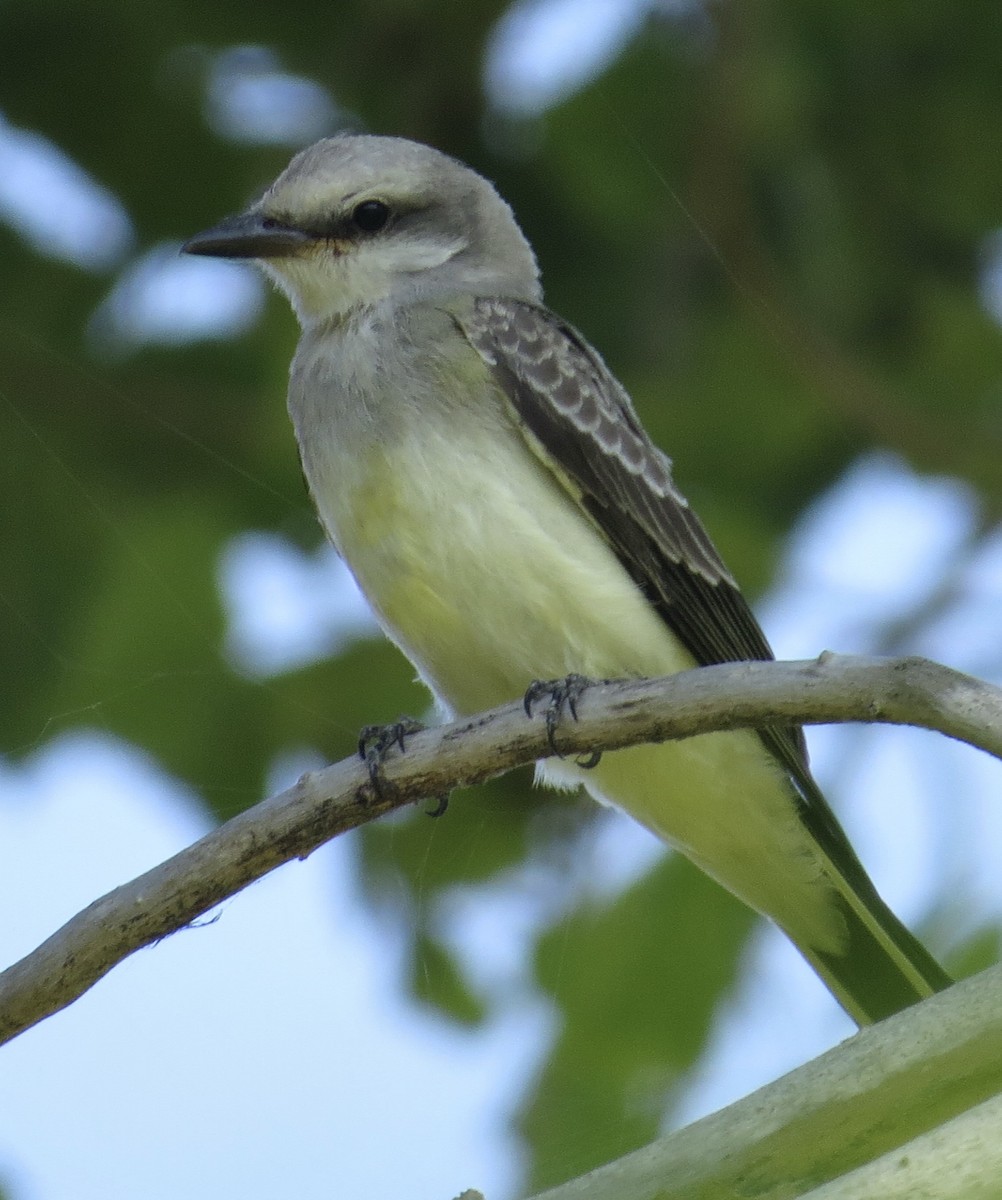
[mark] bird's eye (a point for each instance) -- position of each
(370, 216)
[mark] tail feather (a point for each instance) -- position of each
(882, 967)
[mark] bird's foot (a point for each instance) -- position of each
(563, 695)
(376, 741)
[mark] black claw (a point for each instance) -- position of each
(563, 694)
(379, 738)
(369, 736)
(536, 691)
(442, 803)
(576, 686)
(376, 741)
(591, 762)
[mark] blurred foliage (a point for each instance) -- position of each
(771, 217)
(632, 1029)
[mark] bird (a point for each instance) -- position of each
(490, 486)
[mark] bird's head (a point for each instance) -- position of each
(354, 221)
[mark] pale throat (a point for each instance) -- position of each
(333, 279)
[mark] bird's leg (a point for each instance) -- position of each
(376, 741)
(563, 695)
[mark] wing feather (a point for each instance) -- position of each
(571, 406)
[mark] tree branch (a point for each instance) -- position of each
(338, 798)
(906, 1108)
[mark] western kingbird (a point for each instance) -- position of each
(489, 484)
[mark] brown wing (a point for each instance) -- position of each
(582, 421)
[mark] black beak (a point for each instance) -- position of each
(248, 235)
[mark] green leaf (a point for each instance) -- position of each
(636, 984)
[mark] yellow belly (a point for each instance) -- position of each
(486, 573)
